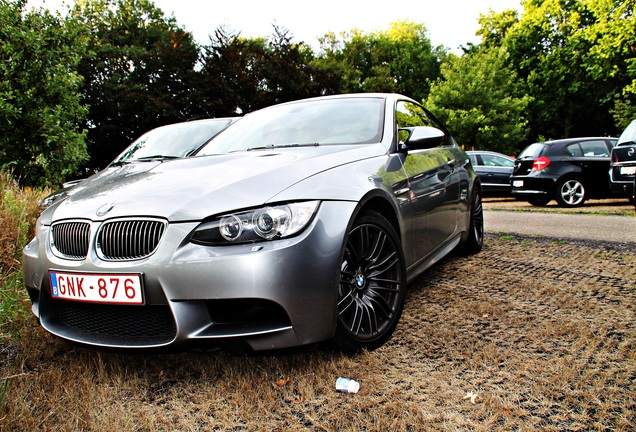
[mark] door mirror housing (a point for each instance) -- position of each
(422, 137)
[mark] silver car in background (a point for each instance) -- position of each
(177, 140)
(301, 223)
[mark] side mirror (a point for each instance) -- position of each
(423, 137)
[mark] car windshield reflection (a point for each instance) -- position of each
(172, 141)
(334, 121)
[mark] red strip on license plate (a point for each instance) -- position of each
(118, 288)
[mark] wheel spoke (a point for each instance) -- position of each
(383, 266)
(381, 303)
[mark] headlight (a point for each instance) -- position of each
(267, 223)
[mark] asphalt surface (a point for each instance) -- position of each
(619, 229)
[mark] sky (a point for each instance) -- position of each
(450, 23)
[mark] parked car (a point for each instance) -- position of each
(622, 174)
(567, 170)
(299, 224)
(166, 142)
(494, 169)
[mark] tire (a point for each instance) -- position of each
(539, 202)
(570, 193)
(372, 285)
(475, 241)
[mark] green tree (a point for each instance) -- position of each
(400, 59)
(139, 73)
(241, 75)
(577, 60)
(477, 99)
(40, 104)
(612, 56)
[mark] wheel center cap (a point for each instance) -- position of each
(360, 281)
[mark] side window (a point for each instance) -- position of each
(574, 150)
(408, 114)
(595, 148)
(494, 160)
(473, 159)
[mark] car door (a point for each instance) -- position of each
(432, 181)
(594, 162)
(498, 170)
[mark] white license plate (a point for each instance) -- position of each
(117, 288)
(628, 170)
(517, 183)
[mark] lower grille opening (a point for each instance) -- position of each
(247, 311)
(114, 324)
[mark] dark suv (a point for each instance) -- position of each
(568, 170)
(623, 163)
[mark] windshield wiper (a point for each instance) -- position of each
(154, 158)
(272, 146)
(120, 163)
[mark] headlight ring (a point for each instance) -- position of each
(262, 224)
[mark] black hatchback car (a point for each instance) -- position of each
(567, 170)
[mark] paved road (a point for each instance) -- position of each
(621, 229)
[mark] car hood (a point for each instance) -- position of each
(194, 188)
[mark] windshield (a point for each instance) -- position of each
(629, 134)
(533, 150)
(173, 141)
(306, 123)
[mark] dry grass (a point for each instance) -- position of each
(18, 211)
(544, 333)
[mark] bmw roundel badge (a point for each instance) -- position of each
(105, 209)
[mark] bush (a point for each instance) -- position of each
(19, 210)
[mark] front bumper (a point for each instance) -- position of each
(260, 296)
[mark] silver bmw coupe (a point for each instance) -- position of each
(301, 223)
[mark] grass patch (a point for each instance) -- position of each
(19, 209)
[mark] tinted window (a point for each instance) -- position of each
(408, 114)
(594, 148)
(574, 150)
(534, 150)
(495, 160)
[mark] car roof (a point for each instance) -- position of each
(572, 140)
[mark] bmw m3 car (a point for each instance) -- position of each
(300, 224)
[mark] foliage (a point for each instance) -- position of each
(577, 60)
(18, 211)
(113, 69)
(400, 59)
(138, 73)
(241, 75)
(612, 56)
(476, 98)
(40, 105)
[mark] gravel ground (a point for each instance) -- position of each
(529, 334)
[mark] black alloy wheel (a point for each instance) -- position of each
(570, 193)
(372, 284)
(475, 241)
